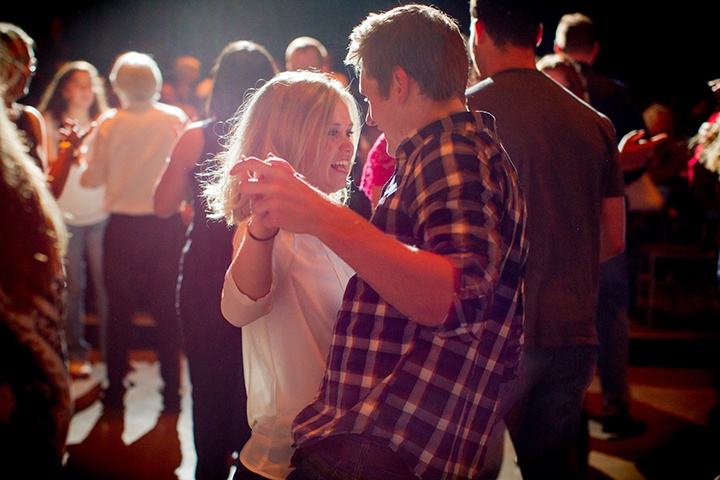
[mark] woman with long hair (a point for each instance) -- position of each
(73, 101)
(213, 347)
(284, 289)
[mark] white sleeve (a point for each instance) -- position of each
(238, 308)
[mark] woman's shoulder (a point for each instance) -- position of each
(33, 112)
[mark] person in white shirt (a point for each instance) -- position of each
(73, 100)
(284, 289)
(142, 250)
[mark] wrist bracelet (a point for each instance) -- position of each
(258, 239)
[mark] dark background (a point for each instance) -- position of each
(664, 53)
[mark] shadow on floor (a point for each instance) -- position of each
(104, 455)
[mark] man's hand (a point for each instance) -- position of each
(279, 196)
(636, 151)
(418, 283)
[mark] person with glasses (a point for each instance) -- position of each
(18, 64)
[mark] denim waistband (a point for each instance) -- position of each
(351, 456)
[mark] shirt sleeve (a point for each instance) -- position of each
(460, 191)
(96, 173)
(238, 308)
(241, 310)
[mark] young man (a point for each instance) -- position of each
(431, 324)
(577, 38)
(305, 53)
(566, 157)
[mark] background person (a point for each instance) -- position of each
(35, 403)
(17, 54)
(213, 347)
(142, 250)
(567, 160)
(77, 93)
(577, 38)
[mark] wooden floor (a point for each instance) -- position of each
(140, 443)
(670, 385)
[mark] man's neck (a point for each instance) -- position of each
(581, 57)
(425, 112)
(510, 57)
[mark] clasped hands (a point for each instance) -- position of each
(279, 196)
(71, 137)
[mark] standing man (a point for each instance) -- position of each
(566, 156)
(431, 325)
(576, 37)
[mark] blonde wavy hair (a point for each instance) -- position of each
(289, 116)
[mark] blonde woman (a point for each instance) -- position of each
(284, 289)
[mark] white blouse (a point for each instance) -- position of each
(286, 339)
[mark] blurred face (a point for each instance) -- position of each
(337, 155)
(379, 113)
(305, 59)
(78, 92)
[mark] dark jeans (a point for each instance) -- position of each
(545, 407)
(348, 457)
(242, 473)
(141, 268)
(613, 329)
(213, 349)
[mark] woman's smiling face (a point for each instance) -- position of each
(337, 154)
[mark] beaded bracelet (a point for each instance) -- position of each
(258, 239)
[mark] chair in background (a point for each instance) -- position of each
(701, 257)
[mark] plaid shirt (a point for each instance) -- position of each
(431, 393)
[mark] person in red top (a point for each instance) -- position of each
(377, 170)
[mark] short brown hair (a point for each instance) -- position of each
(575, 33)
(422, 40)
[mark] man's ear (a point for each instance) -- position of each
(400, 86)
(479, 31)
(539, 35)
